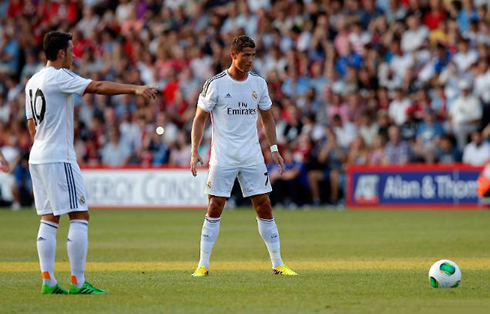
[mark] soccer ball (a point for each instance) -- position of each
(444, 274)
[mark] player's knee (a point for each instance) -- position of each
(215, 208)
(79, 215)
(264, 208)
(51, 218)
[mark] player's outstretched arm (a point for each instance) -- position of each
(196, 137)
(4, 165)
(270, 133)
(112, 88)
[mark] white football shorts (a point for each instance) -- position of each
(254, 180)
(58, 188)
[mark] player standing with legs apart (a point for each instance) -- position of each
(234, 99)
(56, 177)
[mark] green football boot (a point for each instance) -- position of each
(87, 288)
(56, 289)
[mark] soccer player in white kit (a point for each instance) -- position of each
(234, 99)
(56, 177)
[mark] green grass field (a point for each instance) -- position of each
(348, 262)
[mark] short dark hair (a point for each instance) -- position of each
(55, 41)
(241, 42)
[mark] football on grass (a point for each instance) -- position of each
(444, 274)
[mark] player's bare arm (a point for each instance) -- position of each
(111, 88)
(270, 133)
(4, 165)
(31, 125)
(196, 137)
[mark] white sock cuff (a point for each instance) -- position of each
(265, 220)
(211, 219)
(49, 223)
(79, 221)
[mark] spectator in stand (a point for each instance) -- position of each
(345, 132)
(9, 53)
(358, 153)
(408, 130)
(477, 152)
(116, 152)
(294, 125)
(465, 114)
(331, 157)
(376, 154)
(337, 107)
(398, 107)
(367, 128)
(286, 188)
(396, 151)
(429, 132)
(180, 155)
(465, 56)
(447, 153)
(415, 36)
(481, 71)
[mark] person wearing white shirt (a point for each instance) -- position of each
(399, 64)
(56, 177)
(477, 152)
(465, 114)
(465, 56)
(234, 100)
(415, 36)
(398, 108)
(482, 81)
(344, 131)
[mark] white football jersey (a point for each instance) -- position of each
(49, 101)
(234, 107)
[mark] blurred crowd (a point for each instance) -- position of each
(353, 82)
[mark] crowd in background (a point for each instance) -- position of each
(353, 82)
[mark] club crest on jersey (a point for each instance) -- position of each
(208, 184)
(82, 200)
(254, 94)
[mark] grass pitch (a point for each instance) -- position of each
(348, 262)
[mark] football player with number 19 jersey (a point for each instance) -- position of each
(234, 100)
(56, 177)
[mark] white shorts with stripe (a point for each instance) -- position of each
(254, 180)
(58, 188)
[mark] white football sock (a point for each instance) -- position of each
(209, 234)
(46, 249)
(269, 233)
(77, 250)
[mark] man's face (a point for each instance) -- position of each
(244, 59)
(394, 134)
(68, 56)
(476, 137)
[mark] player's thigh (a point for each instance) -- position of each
(220, 181)
(254, 180)
(41, 199)
(65, 188)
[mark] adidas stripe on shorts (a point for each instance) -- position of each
(58, 188)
